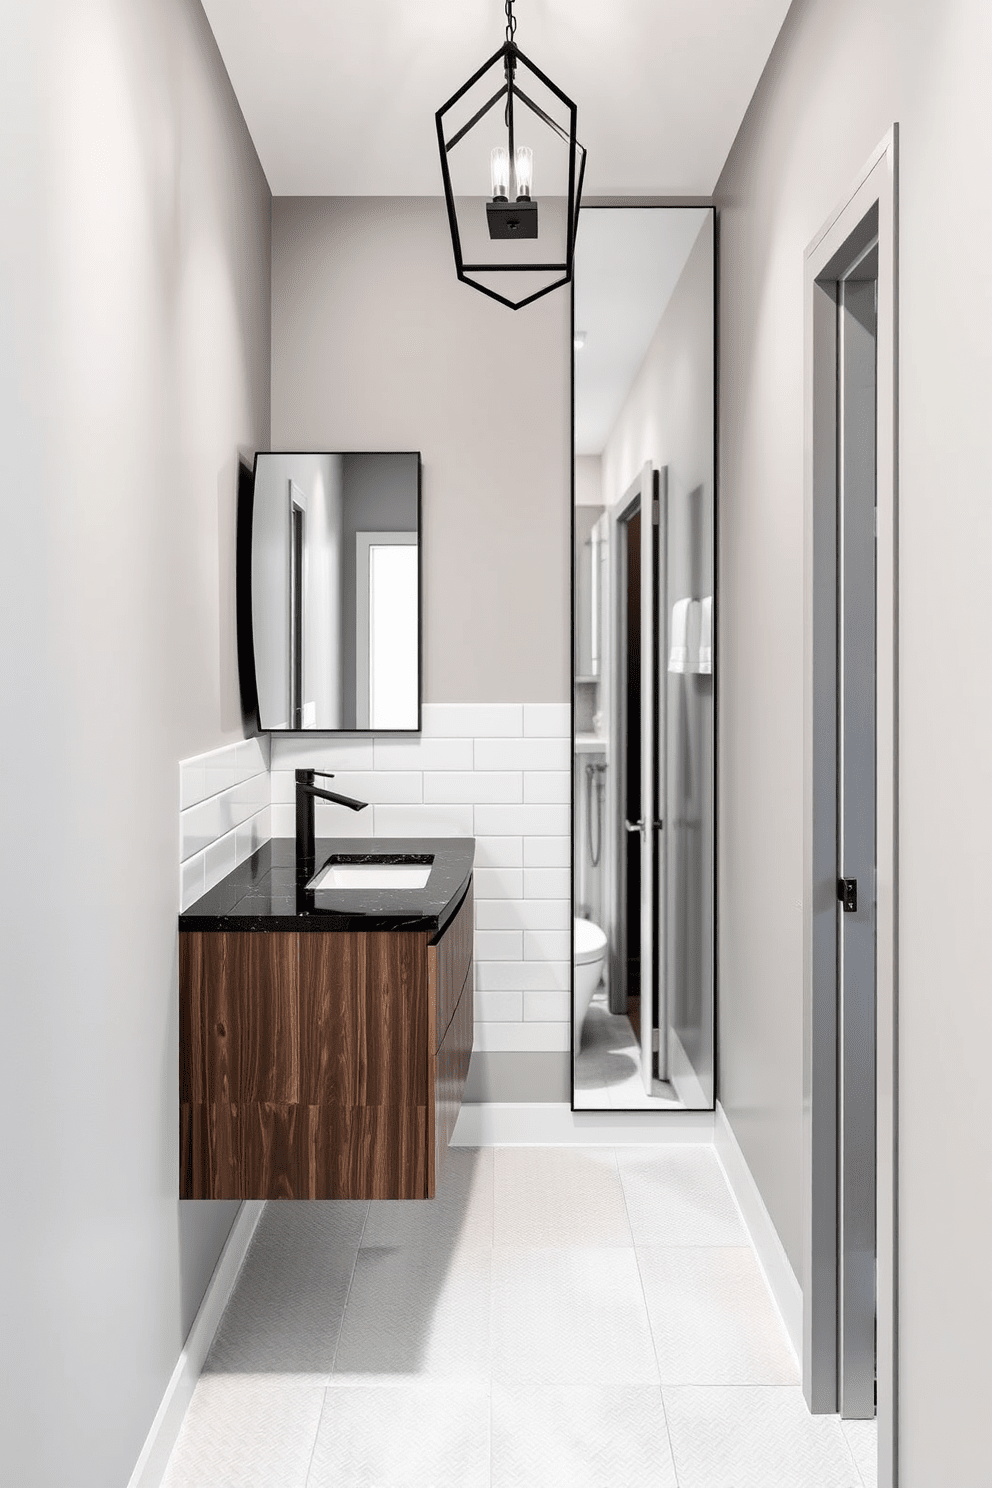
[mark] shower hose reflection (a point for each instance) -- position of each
(594, 773)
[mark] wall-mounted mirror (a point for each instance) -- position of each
(335, 591)
(644, 659)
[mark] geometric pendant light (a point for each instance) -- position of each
(512, 126)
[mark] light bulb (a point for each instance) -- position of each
(500, 169)
(524, 163)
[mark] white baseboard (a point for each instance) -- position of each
(779, 1275)
(553, 1124)
(150, 1467)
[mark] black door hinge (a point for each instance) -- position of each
(847, 893)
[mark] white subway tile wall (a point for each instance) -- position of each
(547, 852)
(498, 772)
(224, 815)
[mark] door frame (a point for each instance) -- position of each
(874, 194)
(636, 498)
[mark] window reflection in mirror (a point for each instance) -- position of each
(335, 591)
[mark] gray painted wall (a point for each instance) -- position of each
(588, 480)
(376, 346)
(134, 366)
(841, 73)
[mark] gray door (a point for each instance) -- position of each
(850, 809)
(856, 757)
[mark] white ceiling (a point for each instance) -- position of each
(340, 98)
(627, 263)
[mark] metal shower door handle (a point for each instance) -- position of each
(637, 826)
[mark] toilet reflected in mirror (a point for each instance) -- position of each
(589, 964)
(643, 660)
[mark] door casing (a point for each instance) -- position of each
(870, 207)
(856, 762)
(637, 498)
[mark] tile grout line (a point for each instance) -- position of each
(347, 1295)
(256, 775)
(845, 1468)
(857, 1465)
(647, 1313)
(316, 1438)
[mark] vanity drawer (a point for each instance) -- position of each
(306, 1068)
(319, 1065)
(450, 960)
(449, 963)
(451, 1072)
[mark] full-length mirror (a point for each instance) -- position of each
(335, 591)
(645, 659)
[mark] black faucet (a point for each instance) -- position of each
(306, 792)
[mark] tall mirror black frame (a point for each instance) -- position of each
(644, 654)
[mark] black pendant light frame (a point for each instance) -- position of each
(512, 58)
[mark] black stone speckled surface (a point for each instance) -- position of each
(264, 893)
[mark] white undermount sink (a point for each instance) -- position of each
(372, 876)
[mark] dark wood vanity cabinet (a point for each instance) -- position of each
(322, 1064)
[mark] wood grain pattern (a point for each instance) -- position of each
(255, 1150)
(191, 1077)
(367, 1152)
(364, 1019)
(239, 1018)
(451, 1072)
(454, 955)
(452, 990)
(268, 1151)
(309, 1066)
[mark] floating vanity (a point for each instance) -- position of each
(325, 1032)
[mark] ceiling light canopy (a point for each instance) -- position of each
(503, 245)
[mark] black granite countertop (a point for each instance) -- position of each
(265, 894)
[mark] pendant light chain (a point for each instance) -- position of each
(511, 31)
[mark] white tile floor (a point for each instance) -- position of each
(584, 1317)
(608, 1066)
